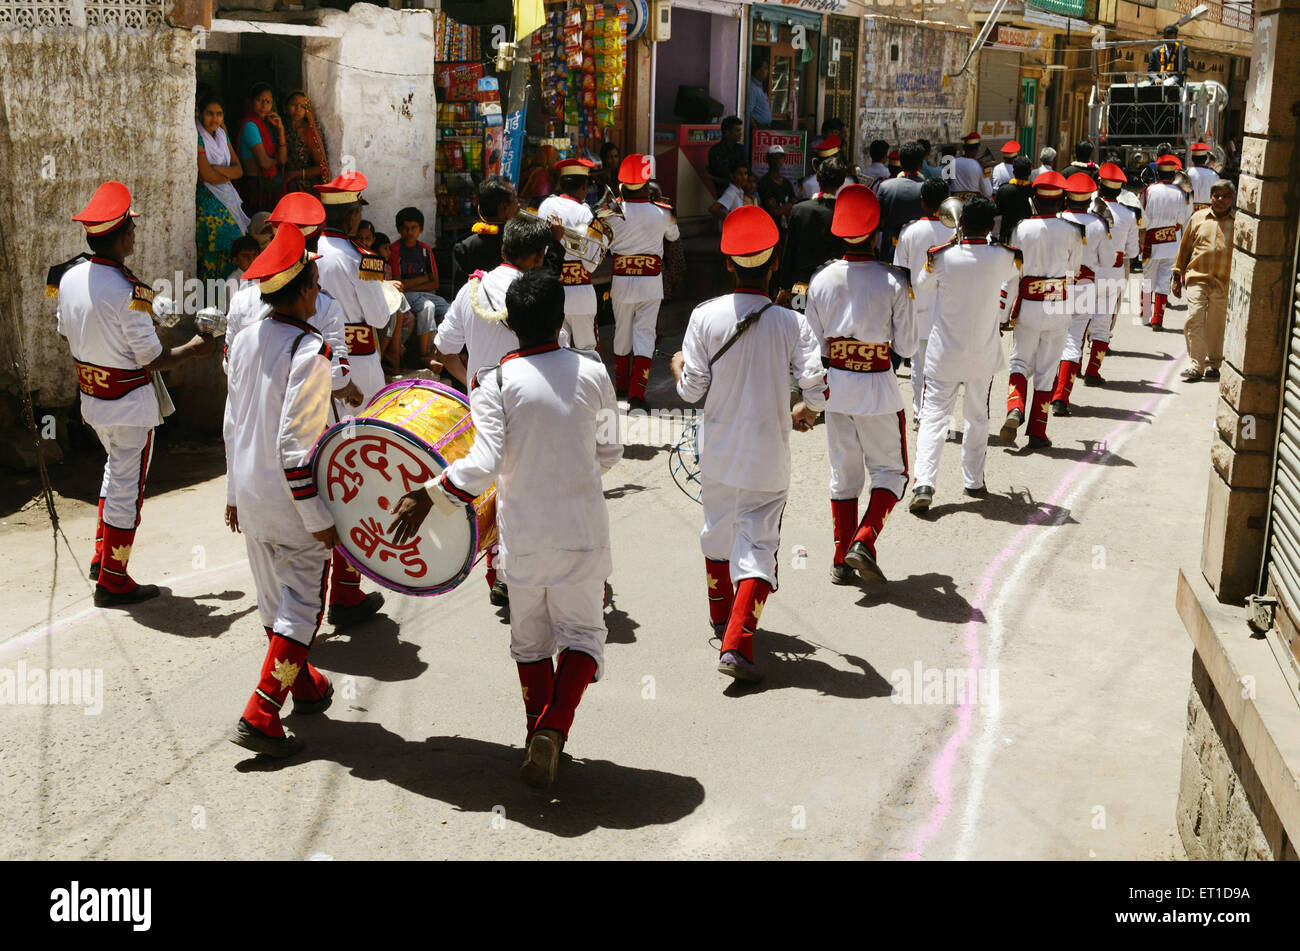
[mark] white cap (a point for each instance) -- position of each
(776, 150)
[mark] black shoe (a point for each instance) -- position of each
(113, 599)
(304, 708)
(719, 628)
(1039, 442)
(1060, 408)
(637, 404)
(345, 616)
(1093, 381)
(542, 758)
(1212, 374)
(1009, 428)
(922, 496)
(94, 571)
(251, 738)
(499, 596)
(843, 574)
(860, 559)
(978, 492)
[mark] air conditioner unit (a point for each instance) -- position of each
(661, 23)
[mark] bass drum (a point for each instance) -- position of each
(408, 434)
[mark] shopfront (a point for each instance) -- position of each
(784, 83)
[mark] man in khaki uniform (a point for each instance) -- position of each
(1202, 267)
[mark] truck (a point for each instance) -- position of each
(1134, 118)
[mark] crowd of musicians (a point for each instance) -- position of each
(830, 301)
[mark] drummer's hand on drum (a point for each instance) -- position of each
(232, 518)
(410, 511)
(349, 394)
(329, 537)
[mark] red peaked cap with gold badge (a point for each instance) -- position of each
(635, 170)
(344, 189)
(282, 261)
(1112, 174)
(749, 236)
(574, 166)
(300, 209)
(1168, 161)
(971, 138)
(1011, 149)
(857, 212)
(829, 146)
(1049, 184)
(108, 209)
(1200, 147)
(1080, 186)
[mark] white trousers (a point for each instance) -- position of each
(1157, 278)
(290, 582)
(579, 332)
(1037, 343)
(741, 526)
(130, 450)
(936, 417)
(859, 445)
(918, 376)
(1110, 294)
(1083, 302)
(544, 621)
(634, 327)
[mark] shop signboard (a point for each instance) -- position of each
(794, 144)
(512, 147)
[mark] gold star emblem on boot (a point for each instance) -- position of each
(285, 672)
(121, 554)
(713, 582)
(758, 609)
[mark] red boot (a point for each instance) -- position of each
(259, 729)
(1038, 419)
(751, 597)
(622, 373)
(1017, 393)
(536, 681)
(312, 690)
(115, 586)
(640, 379)
(99, 542)
(844, 522)
(721, 594)
(1158, 309)
(878, 509)
(1099, 348)
(345, 583)
(1069, 369)
(572, 675)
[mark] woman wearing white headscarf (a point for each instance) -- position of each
(219, 217)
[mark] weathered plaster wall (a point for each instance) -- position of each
(377, 84)
(78, 107)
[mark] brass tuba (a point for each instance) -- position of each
(950, 212)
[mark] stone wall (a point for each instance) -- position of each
(78, 107)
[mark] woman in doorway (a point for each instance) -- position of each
(263, 151)
(607, 176)
(219, 215)
(306, 165)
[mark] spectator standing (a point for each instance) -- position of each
(219, 213)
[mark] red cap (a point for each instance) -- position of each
(893, 155)
(1049, 184)
(1200, 147)
(1079, 185)
(344, 190)
(1110, 172)
(829, 146)
(1011, 148)
(1168, 161)
(749, 236)
(574, 166)
(971, 137)
(857, 212)
(301, 209)
(635, 169)
(282, 261)
(107, 210)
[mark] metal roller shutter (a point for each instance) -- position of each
(999, 92)
(1282, 555)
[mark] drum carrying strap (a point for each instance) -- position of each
(741, 326)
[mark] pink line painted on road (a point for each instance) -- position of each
(941, 769)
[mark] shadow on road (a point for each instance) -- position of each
(786, 661)
(1134, 386)
(1014, 508)
(1091, 452)
(189, 617)
(372, 649)
(932, 596)
(478, 776)
(1138, 355)
(621, 627)
(1085, 411)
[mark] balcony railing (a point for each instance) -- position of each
(122, 14)
(1235, 13)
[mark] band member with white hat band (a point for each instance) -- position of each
(1166, 209)
(568, 206)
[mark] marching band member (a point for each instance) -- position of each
(352, 275)
(1097, 253)
(1005, 170)
(104, 313)
(1112, 276)
(638, 286)
(1052, 250)
(538, 414)
(476, 322)
(964, 350)
(858, 311)
(569, 207)
(1166, 209)
(913, 246)
(809, 243)
(967, 175)
(1201, 175)
(827, 148)
(277, 405)
(744, 434)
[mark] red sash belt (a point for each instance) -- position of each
(573, 274)
(1085, 275)
(1042, 288)
(857, 356)
(363, 339)
(1158, 236)
(109, 383)
(1119, 259)
(638, 265)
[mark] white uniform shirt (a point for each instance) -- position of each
(363, 302)
(247, 307)
(1097, 253)
(866, 301)
(965, 281)
(643, 230)
(1003, 172)
(967, 175)
(1164, 206)
(1202, 177)
(579, 299)
(544, 433)
(1123, 232)
(487, 340)
(94, 314)
(277, 405)
(744, 436)
(917, 238)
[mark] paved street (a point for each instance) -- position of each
(1058, 589)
